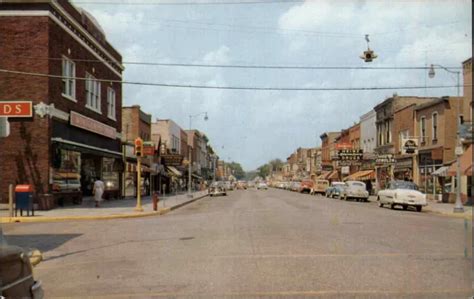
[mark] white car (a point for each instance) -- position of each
(262, 186)
(355, 190)
(402, 193)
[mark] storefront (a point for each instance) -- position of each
(403, 169)
(429, 162)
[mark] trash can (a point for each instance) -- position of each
(24, 199)
(45, 202)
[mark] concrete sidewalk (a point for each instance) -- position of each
(109, 209)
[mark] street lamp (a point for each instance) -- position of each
(458, 206)
(190, 152)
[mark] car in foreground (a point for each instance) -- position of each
(402, 193)
(330, 191)
(306, 186)
(16, 272)
(217, 188)
(320, 187)
(263, 186)
(355, 190)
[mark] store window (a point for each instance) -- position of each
(66, 171)
(110, 176)
(111, 104)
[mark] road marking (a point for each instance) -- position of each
(281, 293)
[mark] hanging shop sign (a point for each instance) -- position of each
(16, 109)
(172, 159)
(385, 159)
(410, 146)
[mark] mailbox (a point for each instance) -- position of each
(24, 199)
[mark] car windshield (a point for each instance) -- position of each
(403, 185)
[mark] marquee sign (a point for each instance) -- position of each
(385, 159)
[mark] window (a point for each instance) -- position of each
(402, 137)
(111, 103)
(69, 83)
(388, 133)
(435, 126)
(422, 129)
(92, 93)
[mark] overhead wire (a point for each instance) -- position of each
(252, 88)
(242, 66)
(251, 2)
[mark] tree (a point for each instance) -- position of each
(276, 165)
(264, 170)
(237, 170)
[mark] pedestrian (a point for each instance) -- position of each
(369, 187)
(98, 191)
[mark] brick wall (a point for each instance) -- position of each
(24, 155)
(403, 120)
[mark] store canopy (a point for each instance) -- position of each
(466, 164)
(173, 171)
(362, 175)
(441, 172)
(332, 175)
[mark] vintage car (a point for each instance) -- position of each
(331, 190)
(241, 185)
(306, 186)
(320, 187)
(262, 185)
(402, 193)
(295, 186)
(355, 190)
(217, 188)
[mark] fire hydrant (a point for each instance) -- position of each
(155, 201)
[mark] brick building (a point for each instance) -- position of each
(74, 134)
(136, 123)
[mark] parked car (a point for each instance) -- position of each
(16, 273)
(402, 193)
(280, 185)
(217, 188)
(306, 186)
(241, 185)
(320, 187)
(330, 191)
(355, 190)
(229, 186)
(295, 186)
(262, 185)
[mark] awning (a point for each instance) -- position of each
(466, 164)
(173, 171)
(332, 175)
(84, 148)
(441, 172)
(323, 175)
(132, 167)
(362, 175)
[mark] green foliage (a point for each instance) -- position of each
(237, 170)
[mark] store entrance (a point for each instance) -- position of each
(90, 171)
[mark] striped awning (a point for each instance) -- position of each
(362, 175)
(466, 164)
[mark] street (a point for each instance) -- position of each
(254, 243)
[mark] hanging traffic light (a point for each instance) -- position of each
(368, 55)
(138, 147)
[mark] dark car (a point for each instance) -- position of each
(16, 273)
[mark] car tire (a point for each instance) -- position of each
(210, 195)
(380, 204)
(392, 206)
(419, 208)
(405, 207)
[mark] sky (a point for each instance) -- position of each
(253, 127)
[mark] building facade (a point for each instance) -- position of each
(74, 136)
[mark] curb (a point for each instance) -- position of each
(161, 211)
(452, 215)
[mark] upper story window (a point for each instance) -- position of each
(423, 129)
(92, 93)
(388, 133)
(111, 104)
(435, 126)
(69, 81)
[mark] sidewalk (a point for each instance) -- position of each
(109, 209)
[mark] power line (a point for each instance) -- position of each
(190, 2)
(231, 87)
(242, 66)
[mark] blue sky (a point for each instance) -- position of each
(252, 127)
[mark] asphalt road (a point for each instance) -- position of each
(253, 244)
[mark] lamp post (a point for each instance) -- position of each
(458, 206)
(190, 152)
